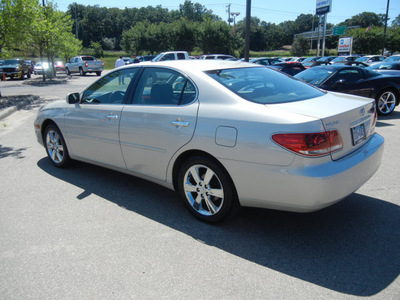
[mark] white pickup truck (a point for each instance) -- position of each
(171, 55)
(84, 64)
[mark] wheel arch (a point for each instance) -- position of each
(46, 123)
(192, 153)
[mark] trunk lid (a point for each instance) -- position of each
(352, 116)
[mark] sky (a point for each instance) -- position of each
(273, 11)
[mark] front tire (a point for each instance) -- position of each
(206, 189)
(56, 148)
(386, 102)
(67, 71)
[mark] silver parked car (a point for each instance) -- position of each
(223, 134)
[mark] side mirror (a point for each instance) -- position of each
(73, 98)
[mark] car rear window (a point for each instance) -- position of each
(263, 85)
(87, 58)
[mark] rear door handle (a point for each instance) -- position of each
(180, 123)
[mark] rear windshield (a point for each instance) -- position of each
(88, 58)
(263, 85)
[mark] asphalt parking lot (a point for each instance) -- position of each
(91, 233)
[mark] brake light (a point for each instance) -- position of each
(310, 144)
(103, 63)
(86, 64)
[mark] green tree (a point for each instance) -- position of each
(300, 46)
(365, 19)
(195, 12)
(215, 37)
(183, 35)
(15, 17)
(367, 42)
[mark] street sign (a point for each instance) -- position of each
(340, 30)
(345, 44)
(323, 7)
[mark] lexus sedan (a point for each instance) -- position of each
(385, 89)
(223, 134)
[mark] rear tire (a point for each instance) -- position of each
(98, 73)
(81, 72)
(386, 102)
(207, 189)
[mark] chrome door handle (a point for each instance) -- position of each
(180, 123)
(112, 117)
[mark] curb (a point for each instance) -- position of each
(4, 113)
(8, 111)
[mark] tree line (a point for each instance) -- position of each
(150, 30)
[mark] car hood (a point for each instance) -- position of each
(341, 112)
(55, 104)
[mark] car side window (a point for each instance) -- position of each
(158, 86)
(350, 75)
(169, 56)
(181, 56)
(110, 89)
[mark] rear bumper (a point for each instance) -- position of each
(306, 188)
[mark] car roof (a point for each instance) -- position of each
(200, 65)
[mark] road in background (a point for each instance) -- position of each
(91, 233)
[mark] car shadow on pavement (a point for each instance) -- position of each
(351, 247)
(382, 120)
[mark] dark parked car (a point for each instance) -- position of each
(393, 58)
(386, 67)
(15, 68)
(370, 59)
(385, 89)
(309, 61)
(265, 61)
(344, 58)
(291, 68)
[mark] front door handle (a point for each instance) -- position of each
(112, 117)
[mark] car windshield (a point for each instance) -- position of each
(383, 66)
(339, 58)
(12, 62)
(315, 75)
(309, 59)
(362, 59)
(393, 58)
(263, 85)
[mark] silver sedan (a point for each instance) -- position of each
(222, 134)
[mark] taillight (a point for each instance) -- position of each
(103, 63)
(310, 144)
(86, 64)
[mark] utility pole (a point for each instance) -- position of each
(229, 14)
(247, 38)
(384, 31)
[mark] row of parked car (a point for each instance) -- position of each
(19, 68)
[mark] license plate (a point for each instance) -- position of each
(358, 134)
